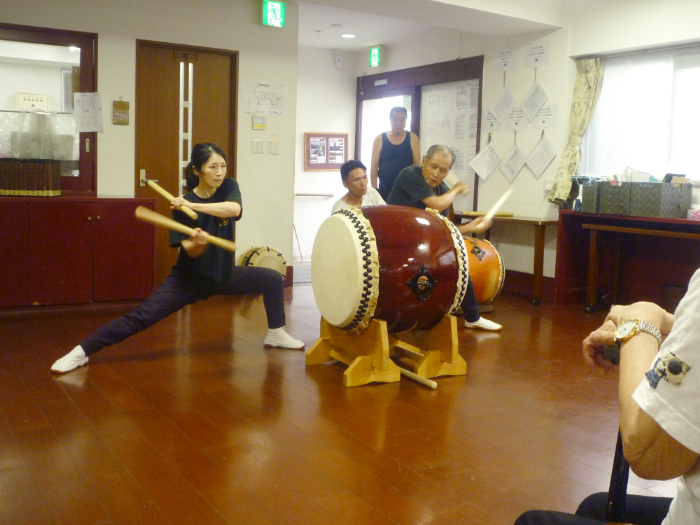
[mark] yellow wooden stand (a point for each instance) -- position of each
(429, 353)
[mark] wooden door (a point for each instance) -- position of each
(176, 86)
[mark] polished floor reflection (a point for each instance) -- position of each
(193, 422)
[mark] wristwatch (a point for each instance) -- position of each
(633, 326)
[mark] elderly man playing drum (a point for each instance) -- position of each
(421, 186)
(354, 176)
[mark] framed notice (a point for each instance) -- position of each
(325, 151)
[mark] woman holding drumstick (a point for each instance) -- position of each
(201, 270)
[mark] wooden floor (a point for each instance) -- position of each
(193, 422)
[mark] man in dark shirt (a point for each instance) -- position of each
(423, 187)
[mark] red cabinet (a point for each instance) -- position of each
(73, 251)
(13, 254)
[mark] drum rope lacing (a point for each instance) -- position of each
(462, 260)
(365, 310)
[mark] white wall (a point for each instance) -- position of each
(606, 26)
(267, 181)
(325, 103)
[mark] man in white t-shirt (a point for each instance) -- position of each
(659, 408)
(354, 176)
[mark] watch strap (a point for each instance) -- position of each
(649, 329)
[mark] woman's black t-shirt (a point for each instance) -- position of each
(215, 264)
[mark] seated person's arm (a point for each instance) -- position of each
(443, 201)
(651, 452)
(478, 225)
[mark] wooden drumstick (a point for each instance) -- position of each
(170, 198)
(453, 179)
(492, 212)
(422, 380)
(144, 214)
(489, 214)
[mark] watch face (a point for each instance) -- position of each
(625, 329)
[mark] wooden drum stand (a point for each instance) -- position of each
(423, 353)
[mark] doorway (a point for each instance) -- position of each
(375, 120)
(184, 96)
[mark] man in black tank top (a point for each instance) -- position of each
(393, 151)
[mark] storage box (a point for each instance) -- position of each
(30, 177)
(615, 198)
(590, 198)
(658, 199)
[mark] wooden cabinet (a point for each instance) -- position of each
(13, 254)
(74, 251)
(633, 258)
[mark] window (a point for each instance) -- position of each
(646, 117)
(29, 57)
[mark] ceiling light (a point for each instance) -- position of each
(348, 36)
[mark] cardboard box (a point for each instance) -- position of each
(659, 199)
(615, 198)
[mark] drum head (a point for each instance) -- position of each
(345, 270)
(265, 257)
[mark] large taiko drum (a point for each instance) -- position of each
(402, 265)
(485, 268)
(264, 257)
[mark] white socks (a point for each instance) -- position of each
(279, 338)
(70, 361)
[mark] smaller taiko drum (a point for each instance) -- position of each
(264, 257)
(485, 269)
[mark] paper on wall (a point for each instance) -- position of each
(513, 163)
(546, 117)
(534, 100)
(88, 112)
(505, 103)
(486, 162)
(541, 156)
(517, 120)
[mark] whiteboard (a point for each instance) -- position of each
(449, 116)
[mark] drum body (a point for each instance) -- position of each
(485, 268)
(402, 265)
(265, 257)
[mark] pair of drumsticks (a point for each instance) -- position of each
(144, 214)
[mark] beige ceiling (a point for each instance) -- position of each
(390, 22)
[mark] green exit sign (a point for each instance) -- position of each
(273, 13)
(375, 56)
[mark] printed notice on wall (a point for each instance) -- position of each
(546, 117)
(88, 112)
(516, 120)
(537, 55)
(490, 123)
(264, 97)
(513, 163)
(541, 156)
(503, 106)
(505, 60)
(486, 162)
(534, 100)
(317, 150)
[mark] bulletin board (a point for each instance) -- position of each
(325, 151)
(450, 116)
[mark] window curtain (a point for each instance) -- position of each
(589, 79)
